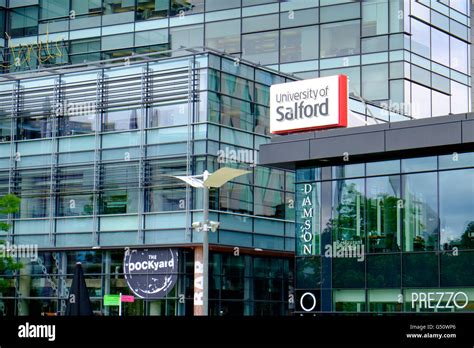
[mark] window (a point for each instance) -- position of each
(383, 214)
(82, 7)
(269, 203)
(259, 23)
(383, 271)
(224, 36)
(375, 82)
(237, 87)
(179, 7)
(374, 17)
(348, 211)
(261, 48)
(237, 198)
(33, 128)
(420, 269)
(460, 5)
(459, 98)
(214, 5)
(420, 39)
(148, 9)
(459, 55)
(420, 218)
(54, 8)
(420, 101)
(187, 36)
(115, 120)
(168, 115)
(23, 21)
(340, 39)
(340, 13)
(237, 113)
(75, 205)
(118, 6)
(457, 209)
(299, 44)
(439, 45)
(170, 198)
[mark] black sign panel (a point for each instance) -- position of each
(308, 301)
(151, 273)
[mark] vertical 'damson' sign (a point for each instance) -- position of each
(151, 273)
(309, 105)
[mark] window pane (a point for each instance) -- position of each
(340, 39)
(261, 48)
(224, 36)
(269, 203)
(86, 6)
(420, 269)
(459, 98)
(383, 214)
(374, 17)
(147, 9)
(383, 271)
(420, 218)
(299, 44)
(118, 6)
(348, 211)
(457, 209)
(420, 101)
(375, 82)
(348, 273)
(439, 45)
(54, 8)
(459, 55)
(420, 39)
(23, 21)
(214, 5)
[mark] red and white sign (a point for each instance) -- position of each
(309, 105)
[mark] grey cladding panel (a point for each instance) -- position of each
(284, 152)
(353, 144)
(426, 136)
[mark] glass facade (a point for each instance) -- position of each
(386, 236)
(245, 285)
(410, 57)
(91, 153)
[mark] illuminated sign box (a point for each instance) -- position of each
(309, 105)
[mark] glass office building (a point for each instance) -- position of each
(99, 105)
(90, 152)
(412, 57)
(389, 229)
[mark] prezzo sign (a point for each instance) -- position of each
(309, 105)
(151, 274)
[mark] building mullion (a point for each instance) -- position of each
(58, 99)
(101, 101)
(145, 84)
(14, 155)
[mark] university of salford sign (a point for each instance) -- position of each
(309, 105)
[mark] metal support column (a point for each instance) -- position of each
(101, 101)
(54, 117)
(14, 156)
(145, 97)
